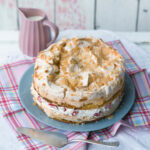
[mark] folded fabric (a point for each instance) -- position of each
(13, 111)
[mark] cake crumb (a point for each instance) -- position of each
(34, 103)
(110, 117)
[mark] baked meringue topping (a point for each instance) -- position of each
(79, 71)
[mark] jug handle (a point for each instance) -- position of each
(55, 29)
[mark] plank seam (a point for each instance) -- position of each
(18, 24)
(55, 11)
(95, 13)
(137, 15)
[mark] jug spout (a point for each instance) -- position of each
(23, 11)
(27, 12)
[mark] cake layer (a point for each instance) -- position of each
(86, 106)
(76, 115)
(79, 71)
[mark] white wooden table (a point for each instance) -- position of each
(9, 51)
(9, 41)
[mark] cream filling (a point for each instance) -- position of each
(76, 113)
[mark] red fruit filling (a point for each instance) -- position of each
(51, 105)
(39, 99)
(75, 113)
(97, 114)
(109, 105)
(54, 106)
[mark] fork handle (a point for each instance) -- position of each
(116, 143)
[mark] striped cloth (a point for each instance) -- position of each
(13, 111)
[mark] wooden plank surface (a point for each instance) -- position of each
(75, 14)
(144, 16)
(116, 15)
(8, 15)
(46, 5)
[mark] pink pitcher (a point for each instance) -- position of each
(35, 31)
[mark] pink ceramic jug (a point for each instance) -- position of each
(35, 31)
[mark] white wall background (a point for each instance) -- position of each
(116, 15)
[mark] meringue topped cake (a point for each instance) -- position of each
(78, 80)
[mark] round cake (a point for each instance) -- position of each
(78, 80)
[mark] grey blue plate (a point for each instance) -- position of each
(27, 101)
